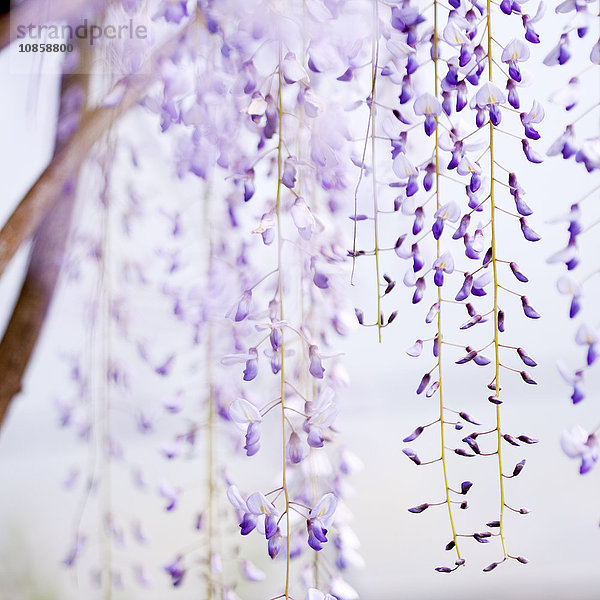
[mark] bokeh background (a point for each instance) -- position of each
(561, 536)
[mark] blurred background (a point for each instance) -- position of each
(39, 514)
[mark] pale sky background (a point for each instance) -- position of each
(560, 537)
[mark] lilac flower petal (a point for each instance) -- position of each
(529, 233)
(510, 439)
(527, 439)
(514, 267)
(501, 320)
(465, 417)
(526, 358)
(528, 309)
(412, 455)
(424, 383)
(416, 349)
(414, 435)
(465, 290)
(315, 368)
(518, 468)
(527, 379)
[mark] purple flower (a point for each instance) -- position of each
(433, 311)
(252, 445)
(515, 51)
(586, 335)
(274, 544)
(528, 309)
(526, 358)
(468, 418)
(465, 290)
(247, 524)
(489, 97)
(412, 455)
(430, 107)
(75, 551)
(319, 518)
(316, 367)
(176, 571)
(424, 383)
(289, 173)
(415, 349)
(419, 220)
(292, 71)
(578, 443)
(244, 306)
(170, 494)
(442, 264)
(251, 370)
(247, 415)
(303, 218)
(528, 233)
(420, 286)
(526, 378)
(531, 154)
(322, 413)
(448, 212)
(173, 11)
(252, 572)
(414, 435)
(266, 228)
(513, 94)
(296, 449)
(462, 227)
(518, 467)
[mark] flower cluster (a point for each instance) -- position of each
(463, 72)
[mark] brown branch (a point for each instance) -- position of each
(47, 210)
(29, 314)
(46, 258)
(49, 187)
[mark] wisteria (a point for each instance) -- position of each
(228, 183)
(576, 19)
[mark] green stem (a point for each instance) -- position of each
(374, 60)
(210, 455)
(439, 289)
(496, 286)
(282, 347)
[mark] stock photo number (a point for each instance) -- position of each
(45, 47)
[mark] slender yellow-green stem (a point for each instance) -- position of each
(374, 61)
(495, 271)
(282, 347)
(439, 289)
(210, 409)
(104, 454)
(308, 387)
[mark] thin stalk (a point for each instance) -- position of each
(282, 347)
(439, 289)
(210, 455)
(496, 286)
(375, 59)
(104, 424)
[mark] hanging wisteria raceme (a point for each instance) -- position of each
(581, 142)
(465, 45)
(282, 202)
(285, 318)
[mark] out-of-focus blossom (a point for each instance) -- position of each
(576, 442)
